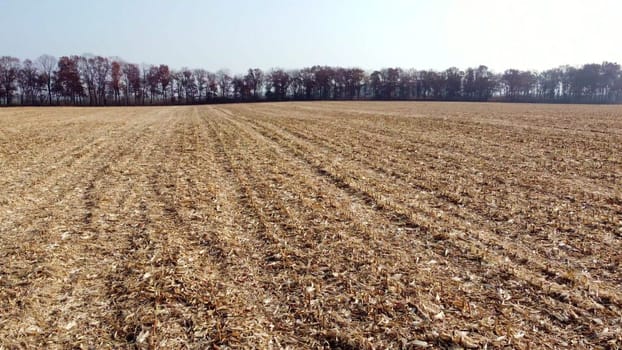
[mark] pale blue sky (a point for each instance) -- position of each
(528, 34)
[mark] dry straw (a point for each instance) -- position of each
(311, 225)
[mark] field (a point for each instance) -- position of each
(311, 225)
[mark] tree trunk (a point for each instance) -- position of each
(50, 92)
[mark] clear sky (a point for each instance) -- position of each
(238, 34)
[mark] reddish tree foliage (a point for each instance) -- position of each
(67, 78)
(115, 81)
(104, 80)
(164, 76)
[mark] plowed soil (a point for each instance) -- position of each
(311, 225)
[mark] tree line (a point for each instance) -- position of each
(100, 81)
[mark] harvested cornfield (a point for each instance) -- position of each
(311, 225)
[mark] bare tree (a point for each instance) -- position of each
(100, 78)
(153, 81)
(254, 80)
(224, 82)
(177, 90)
(307, 78)
(241, 88)
(9, 69)
(30, 82)
(353, 81)
(201, 81)
(47, 64)
(131, 73)
(86, 66)
(279, 81)
(188, 83)
(102, 75)
(212, 85)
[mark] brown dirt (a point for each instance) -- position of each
(311, 225)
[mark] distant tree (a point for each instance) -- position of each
(550, 83)
(436, 82)
(570, 90)
(202, 82)
(392, 78)
(376, 84)
(131, 72)
(610, 74)
(481, 83)
(102, 68)
(95, 73)
(144, 85)
(164, 76)
(338, 83)
(296, 86)
(87, 69)
(153, 81)
(67, 79)
(468, 84)
(212, 85)
(239, 87)
(9, 69)
(188, 83)
(30, 82)
(354, 78)
(323, 81)
(177, 90)
(116, 74)
(453, 83)
(279, 81)
(72, 78)
(127, 92)
(254, 79)
(47, 64)
(511, 81)
(431, 84)
(307, 79)
(224, 81)
(408, 84)
(527, 83)
(589, 78)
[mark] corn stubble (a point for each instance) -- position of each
(311, 225)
